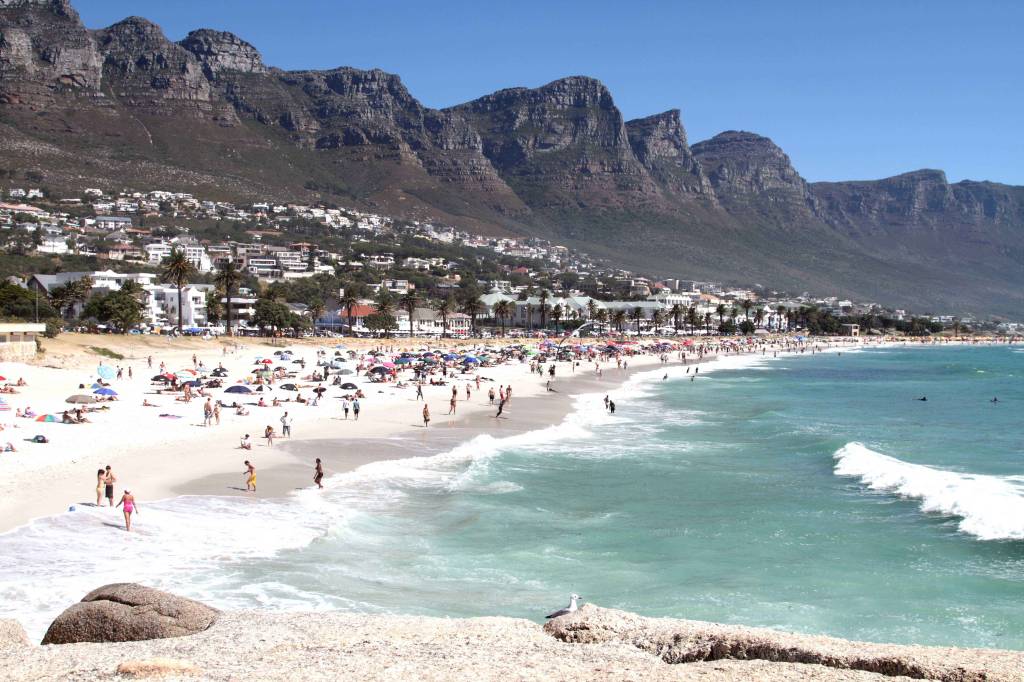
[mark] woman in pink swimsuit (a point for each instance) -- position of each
(128, 500)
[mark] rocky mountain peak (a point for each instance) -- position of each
(659, 142)
(59, 7)
(220, 51)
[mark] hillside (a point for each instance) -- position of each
(126, 106)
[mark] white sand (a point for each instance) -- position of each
(154, 456)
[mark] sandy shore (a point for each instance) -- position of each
(158, 457)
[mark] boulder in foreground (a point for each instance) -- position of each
(126, 612)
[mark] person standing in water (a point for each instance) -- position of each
(100, 476)
(250, 477)
(318, 474)
(109, 479)
(128, 500)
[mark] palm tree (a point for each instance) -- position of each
(591, 309)
(228, 278)
(638, 314)
(529, 316)
(956, 327)
(658, 319)
(692, 318)
(316, 311)
(543, 308)
(177, 271)
(746, 304)
(780, 311)
(408, 303)
(707, 323)
(733, 312)
(385, 305)
(602, 316)
(471, 306)
(444, 308)
(349, 301)
(556, 315)
(759, 316)
(503, 310)
(676, 311)
(619, 319)
(720, 309)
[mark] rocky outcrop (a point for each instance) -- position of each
(563, 144)
(12, 634)
(45, 52)
(146, 71)
(220, 51)
(750, 173)
(681, 641)
(126, 612)
(659, 143)
(351, 646)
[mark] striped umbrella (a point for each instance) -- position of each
(4, 407)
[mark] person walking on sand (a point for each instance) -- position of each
(426, 416)
(128, 500)
(318, 474)
(100, 477)
(109, 479)
(250, 476)
(355, 409)
(345, 406)
(216, 414)
(268, 433)
(419, 392)
(286, 426)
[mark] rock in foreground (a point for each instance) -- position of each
(126, 612)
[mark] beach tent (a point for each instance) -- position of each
(106, 372)
(105, 391)
(239, 388)
(81, 399)
(48, 418)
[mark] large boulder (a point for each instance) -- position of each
(12, 634)
(126, 612)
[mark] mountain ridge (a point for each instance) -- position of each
(125, 103)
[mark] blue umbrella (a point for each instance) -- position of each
(470, 360)
(238, 388)
(106, 372)
(403, 361)
(450, 356)
(105, 391)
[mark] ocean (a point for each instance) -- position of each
(812, 493)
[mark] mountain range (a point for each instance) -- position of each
(126, 106)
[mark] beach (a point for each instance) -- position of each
(413, 520)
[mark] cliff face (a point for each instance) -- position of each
(206, 114)
(45, 53)
(562, 145)
(659, 143)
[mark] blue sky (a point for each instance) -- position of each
(850, 90)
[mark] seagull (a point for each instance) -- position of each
(571, 608)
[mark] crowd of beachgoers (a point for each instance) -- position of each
(134, 418)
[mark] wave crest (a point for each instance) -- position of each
(990, 507)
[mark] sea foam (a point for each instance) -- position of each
(989, 507)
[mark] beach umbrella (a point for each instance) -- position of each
(470, 361)
(267, 361)
(47, 418)
(319, 390)
(263, 387)
(3, 378)
(238, 388)
(349, 386)
(158, 377)
(289, 387)
(106, 372)
(4, 407)
(195, 383)
(80, 399)
(403, 361)
(346, 370)
(105, 391)
(379, 370)
(450, 356)
(389, 365)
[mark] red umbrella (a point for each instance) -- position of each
(268, 362)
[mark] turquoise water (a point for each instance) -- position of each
(809, 493)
